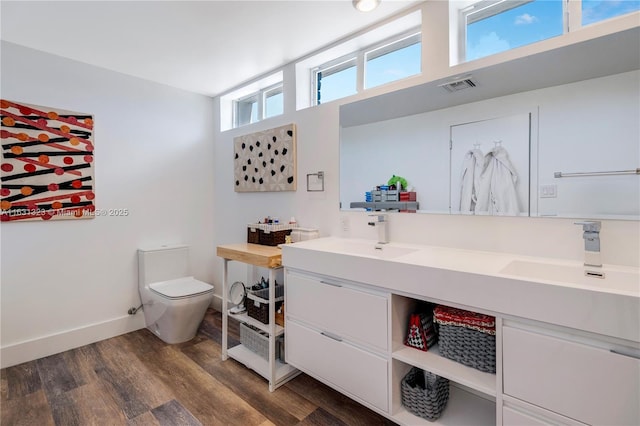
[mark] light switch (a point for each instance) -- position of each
(548, 191)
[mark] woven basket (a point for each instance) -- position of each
(468, 347)
(257, 303)
(467, 337)
(253, 235)
(258, 341)
(274, 238)
(255, 340)
(426, 400)
(268, 234)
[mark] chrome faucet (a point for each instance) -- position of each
(381, 223)
(591, 237)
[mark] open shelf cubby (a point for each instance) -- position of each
(472, 393)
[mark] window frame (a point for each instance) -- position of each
(260, 97)
(332, 67)
(571, 18)
(398, 42)
(359, 60)
(272, 90)
(484, 9)
(236, 108)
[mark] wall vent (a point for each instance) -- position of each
(460, 84)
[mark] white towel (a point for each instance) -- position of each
(470, 180)
(497, 193)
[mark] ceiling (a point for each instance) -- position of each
(206, 47)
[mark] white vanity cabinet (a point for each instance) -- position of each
(565, 354)
(582, 378)
(350, 336)
(338, 333)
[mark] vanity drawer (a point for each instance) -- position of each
(515, 417)
(349, 369)
(511, 417)
(583, 382)
(327, 304)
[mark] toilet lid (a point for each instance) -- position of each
(180, 287)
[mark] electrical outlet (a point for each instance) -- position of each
(344, 223)
(548, 191)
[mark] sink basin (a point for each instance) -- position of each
(609, 278)
(369, 249)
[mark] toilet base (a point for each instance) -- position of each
(180, 319)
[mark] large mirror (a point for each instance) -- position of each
(573, 151)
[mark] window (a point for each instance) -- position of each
(385, 62)
(491, 26)
(393, 61)
(598, 10)
(259, 105)
(246, 110)
(488, 27)
(255, 101)
(375, 56)
(335, 81)
(273, 102)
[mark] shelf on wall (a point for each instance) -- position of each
(386, 205)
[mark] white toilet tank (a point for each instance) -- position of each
(174, 302)
(162, 264)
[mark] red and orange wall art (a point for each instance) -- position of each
(47, 163)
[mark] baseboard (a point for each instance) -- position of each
(29, 350)
(216, 303)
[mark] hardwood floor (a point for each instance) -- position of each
(136, 379)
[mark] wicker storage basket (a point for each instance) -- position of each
(424, 394)
(268, 234)
(274, 238)
(258, 303)
(467, 337)
(258, 341)
(253, 235)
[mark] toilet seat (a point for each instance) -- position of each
(180, 288)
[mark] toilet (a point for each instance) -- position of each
(174, 303)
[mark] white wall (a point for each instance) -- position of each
(69, 283)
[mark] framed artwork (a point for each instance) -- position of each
(47, 163)
(265, 161)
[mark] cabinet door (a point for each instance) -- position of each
(357, 316)
(586, 383)
(351, 370)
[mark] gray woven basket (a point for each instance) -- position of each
(424, 394)
(468, 347)
(258, 341)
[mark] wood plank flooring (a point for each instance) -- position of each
(136, 379)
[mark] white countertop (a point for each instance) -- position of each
(543, 289)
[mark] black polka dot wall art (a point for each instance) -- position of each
(46, 172)
(265, 161)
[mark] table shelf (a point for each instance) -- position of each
(276, 372)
